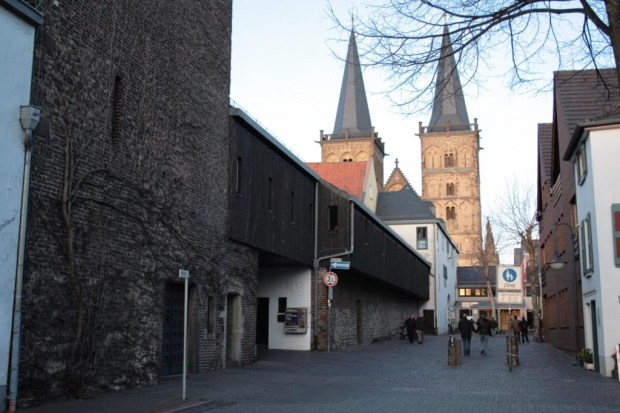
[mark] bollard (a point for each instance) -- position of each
(512, 351)
(454, 351)
(618, 361)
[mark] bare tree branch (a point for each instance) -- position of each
(403, 38)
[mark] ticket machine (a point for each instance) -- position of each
(295, 320)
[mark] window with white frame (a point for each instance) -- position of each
(421, 238)
(582, 165)
(587, 264)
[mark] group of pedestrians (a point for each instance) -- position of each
(484, 327)
(467, 327)
(415, 328)
(520, 329)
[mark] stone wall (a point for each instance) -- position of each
(364, 311)
(129, 184)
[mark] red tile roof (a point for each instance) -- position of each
(348, 176)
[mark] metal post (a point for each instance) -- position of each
(185, 274)
(330, 294)
(185, 340)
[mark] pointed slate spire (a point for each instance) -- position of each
(449, 103)
(353, 113)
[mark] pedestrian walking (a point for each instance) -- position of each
(493, 326)
(420, 325)
(466, 328)
(524, 326)
(484, 329)
(516, 329)
(410, 324)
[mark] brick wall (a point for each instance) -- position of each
(363, 311)
(135, 133)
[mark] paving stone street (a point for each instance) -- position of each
(391, 376)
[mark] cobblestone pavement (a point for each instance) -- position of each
(392, 376)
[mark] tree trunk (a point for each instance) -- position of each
(613, 16)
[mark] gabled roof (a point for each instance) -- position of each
(544, 150)
(396, 180)
(353, 113)
(348, 176)
(581, 96)
(404, 205)
(449, 102)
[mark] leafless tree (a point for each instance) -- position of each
(405, 38)
(516, 218)
(486, 257)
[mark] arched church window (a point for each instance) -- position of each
(449, 160)
(450, 213)
(450, 189)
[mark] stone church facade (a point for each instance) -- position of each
(450, 179)
(450, 163)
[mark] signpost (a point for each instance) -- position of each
(185, 274)
(340, 265)
(330, 279)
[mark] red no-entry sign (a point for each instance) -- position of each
(330, 279)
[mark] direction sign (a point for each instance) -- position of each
(330, 279)
(340, 265)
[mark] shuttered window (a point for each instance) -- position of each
(615, 222)
(586, 258)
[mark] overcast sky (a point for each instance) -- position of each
(285, 76)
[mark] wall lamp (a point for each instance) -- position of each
(29, 118)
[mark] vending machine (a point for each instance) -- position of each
(295, 320)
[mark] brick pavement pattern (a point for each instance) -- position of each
(391, 376)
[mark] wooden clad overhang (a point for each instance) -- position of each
(272, 205)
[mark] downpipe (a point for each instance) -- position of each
(19, 278)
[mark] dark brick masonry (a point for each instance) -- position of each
(129, 184)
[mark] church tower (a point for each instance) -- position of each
(450, 168)
(353, 139)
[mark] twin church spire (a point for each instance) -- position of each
(352, 113)
(449, 103)
(449, 148)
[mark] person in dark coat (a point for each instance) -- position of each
(466, 328)
(514, 326)
(524, 326)
(410, 324)
(493, 326)
(420, 325)
(484, 329)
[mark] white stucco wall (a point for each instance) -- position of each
(595, 196)
(446, 288)
(294, 284)
(437, 255)
(16, 52)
